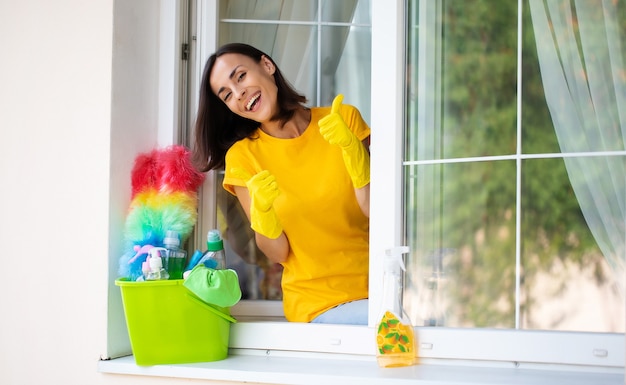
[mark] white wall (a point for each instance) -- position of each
(65, 158)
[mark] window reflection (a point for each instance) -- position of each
(566, 281)
(461, 225)
(477, 260)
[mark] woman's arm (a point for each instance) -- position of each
(363, 193)
(277, 249)
(363, 198)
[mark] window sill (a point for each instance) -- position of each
(305, 369)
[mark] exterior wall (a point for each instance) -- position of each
(70, 130)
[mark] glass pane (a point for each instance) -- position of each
(355, 11)
(567, 283)
(461, 231)
(294, 10)
(469, 80)
(346, 66)
(293, 48)
(461, 218)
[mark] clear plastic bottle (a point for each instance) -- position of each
(155, 262)
(176, 257)
(395, 339)
(215, 257)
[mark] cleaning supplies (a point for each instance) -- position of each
(215, 245)
(395, 338)
(193, 261)
(214, 258)
(175, 256)
(156, 270)
(216, 287)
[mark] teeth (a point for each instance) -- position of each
(251, 102)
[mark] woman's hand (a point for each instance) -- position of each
(263, 191)
(355, 156)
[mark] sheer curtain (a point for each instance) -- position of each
(580, 45)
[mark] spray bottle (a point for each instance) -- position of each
(176, 257)
(395, 339)
(156, 271)
(215, 257)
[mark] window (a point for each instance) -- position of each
(503, 248)
(442, 134)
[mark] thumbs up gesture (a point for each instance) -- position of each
(333, 128)
(355, 156)
(263, 191)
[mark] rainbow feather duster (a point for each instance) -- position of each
(164, 197)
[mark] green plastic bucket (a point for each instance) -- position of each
(167, 324)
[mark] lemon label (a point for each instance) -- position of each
(394, 336)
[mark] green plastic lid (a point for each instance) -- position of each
(214, 240)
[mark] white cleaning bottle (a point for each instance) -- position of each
(156, 271)
(395, 339)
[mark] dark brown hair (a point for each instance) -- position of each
(217, 127)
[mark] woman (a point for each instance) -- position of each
(302, 178)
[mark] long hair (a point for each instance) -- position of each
(217, 127)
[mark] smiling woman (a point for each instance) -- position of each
(322, 48)
(282, 150)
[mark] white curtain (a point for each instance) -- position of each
(581, 56)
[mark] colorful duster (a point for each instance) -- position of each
(164, 197)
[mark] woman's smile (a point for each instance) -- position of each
(253, 102)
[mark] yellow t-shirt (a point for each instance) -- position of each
(328, 234)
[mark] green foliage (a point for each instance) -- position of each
(475, 210)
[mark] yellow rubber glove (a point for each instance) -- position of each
(263, 192)
(355, 155)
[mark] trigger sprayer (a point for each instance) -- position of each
(155, 263)
(395, 339)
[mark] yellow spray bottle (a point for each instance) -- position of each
(395, 339)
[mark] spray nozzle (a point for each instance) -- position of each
(393, 258)
(154, 258)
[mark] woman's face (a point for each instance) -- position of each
(247, 87)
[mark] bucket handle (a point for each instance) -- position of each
(193, 297)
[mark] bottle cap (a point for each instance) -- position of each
(171, 238)
(214, 240)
